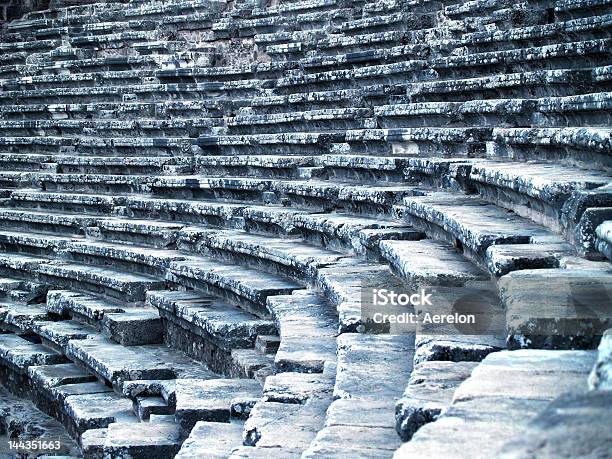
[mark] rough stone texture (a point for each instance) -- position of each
(207, 188)
(497, 401)
(307, 325)
(21, 421)
(601, 375)
(218, 400)
(572, 312)
(214, 440)
(429, 392)
(428, 263)
(573, 425)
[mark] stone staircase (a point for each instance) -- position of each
(197, 197)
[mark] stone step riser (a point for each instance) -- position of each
(280, 267)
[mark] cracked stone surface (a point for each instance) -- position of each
(197, 196)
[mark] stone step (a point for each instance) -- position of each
(342, 231)
(428, 394)
(459, 289)
(478, 8)
(95, 410)
(126, 324)
(543, 111)
(543, 83)
(248, 71)
(505, 258)
(138, 440)
(428, 141)
(267, 344)
(461, 66)
(556, 55)
(342, 284)
(470, 223)
(427, 262)
(18, 354)
(21, 318)
(283, 428)
(301, 42)
(274, 218)
(18, 265)
(240, 285)
(593, 26)
(187, 109)
(101, 280)
(293, 404)
(214, 440)
(95, 146)
(604, 239)
(560, 320)
(144, 407)
(218, 400)
(116, 364)
(289, 257)
(46, 377)
(158, 234)
(572, 413)
(207, 328)
(547, 187)
(105, 128)
(155, 92)
(498, 385)
(15, 290)
(372, 369)
(92, 17)
(328, 119)
(586, 146)
(390, 21)
(58, 334)
(251, 363)
(307, 326)
(27, 45)
(251, 26)
(64, 202)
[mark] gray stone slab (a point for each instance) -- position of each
(286, 426)
(571, 312)
(308, 327)
(601, 375)
(429, 262)
(429, 392)
(94, 411)
(214, 440)
(218, 400)
(573, 425)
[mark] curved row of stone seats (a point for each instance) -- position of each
(70, 394)
(184, 271)
(62, 391)
(99, 356)
(559, 200)
(156, 262)
(88, 15)
(93, 356)
(340, 280)
(547, 57)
